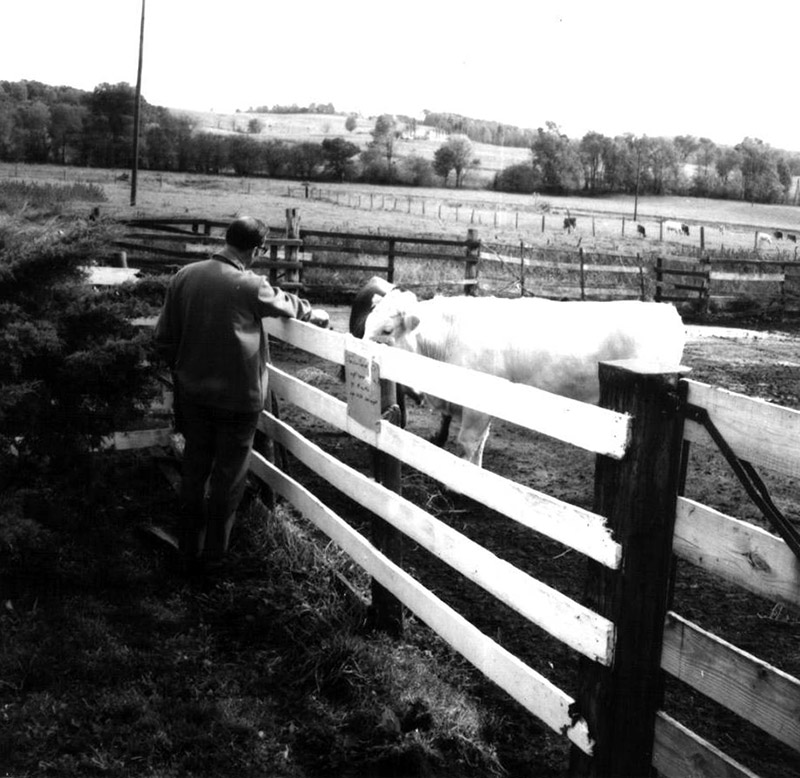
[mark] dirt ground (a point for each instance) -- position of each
(759, 362)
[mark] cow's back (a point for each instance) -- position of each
(552, 345)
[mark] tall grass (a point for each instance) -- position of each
(19, 196)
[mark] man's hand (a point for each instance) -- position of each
(320, 318)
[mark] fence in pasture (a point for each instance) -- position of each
(335, 264)
(625, 635)
(728, 283)
(533, 215)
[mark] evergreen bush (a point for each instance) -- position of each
(73, 368)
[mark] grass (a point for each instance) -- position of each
(25, 197)
(111, 663)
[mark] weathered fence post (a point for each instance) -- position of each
(522, 268)
(387, 610)
(637, 495)
(290, 253)
(659, 278)
(390, 261)
(641, 276)
(702, 237)
(582, 273)
(705, 287)
(472, 260)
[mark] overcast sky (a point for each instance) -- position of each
(699, 67)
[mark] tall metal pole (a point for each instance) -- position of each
(138, 100)
(638, 171)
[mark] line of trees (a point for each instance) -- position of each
(598, 164)
(41, 123)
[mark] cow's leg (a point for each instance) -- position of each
(440, 438)
(473, 434)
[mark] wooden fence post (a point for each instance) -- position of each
(659, 279)
(702, 237)
(390, 261)
(637, 495)
(582, 272)
(472, 261)
(705, 287)
(641, 276)
(387, 611)
(522, 268)
(290, 252)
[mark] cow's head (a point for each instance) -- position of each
(394, 320)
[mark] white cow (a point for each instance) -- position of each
(555, 346)
(763, 238)
(673, 226)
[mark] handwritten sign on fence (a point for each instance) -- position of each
(362, 384)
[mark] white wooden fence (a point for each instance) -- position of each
(742, 553)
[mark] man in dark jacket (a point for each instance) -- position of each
(210, 334)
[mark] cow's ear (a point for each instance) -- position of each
(411, 321)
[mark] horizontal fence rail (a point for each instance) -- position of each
(532, 690)
(577, 626)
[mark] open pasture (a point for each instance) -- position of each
(500, 218)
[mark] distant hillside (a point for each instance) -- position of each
(295, 127)
(314, 128)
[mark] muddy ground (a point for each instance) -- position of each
(759, 362)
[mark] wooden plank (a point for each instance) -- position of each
(665, 271)
(746, 685)
(381, 238)
(532, 690)
(758, 432)
(574, 526)
(188, 238)
(737, 551)
(580, 529)
(680, 753)
(570, 622)
(720, 275)
(316, 265)
(110, 276)
(619, 269)
(587, 426)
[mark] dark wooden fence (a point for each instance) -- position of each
(334, 265)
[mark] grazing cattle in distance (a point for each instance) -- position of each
(554, 346)
(570, 222)
(685, 229)
(791, 236)
(641, 230)
(673, 226)
(778, 235)
(762, 237)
